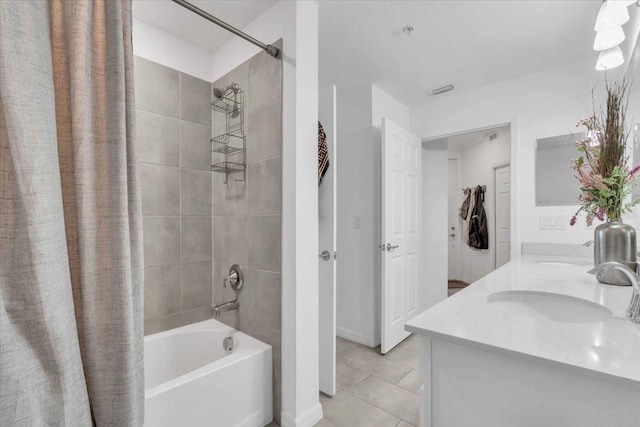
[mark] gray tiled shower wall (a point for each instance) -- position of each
(173, 131)
(247, 221)
(195, 225)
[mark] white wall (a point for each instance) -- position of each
(538, 105)
(297, 24)
(385, 105)
(360, 112)
(159, 46)
(476, 166)
(435, 200)
(356, 287)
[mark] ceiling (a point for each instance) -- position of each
(466, 43)
(188, 26)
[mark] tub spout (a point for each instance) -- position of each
(227, 306)
(633, 312)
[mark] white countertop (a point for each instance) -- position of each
(610, 347)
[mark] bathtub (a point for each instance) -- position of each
(191, 381)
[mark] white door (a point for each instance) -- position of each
(401, 207)
(453, 230)
(503, 215)
(327, 246)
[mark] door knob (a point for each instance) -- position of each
(391, 247)
(452, 235)
(325, 255)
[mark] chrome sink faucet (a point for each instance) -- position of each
(633, 312)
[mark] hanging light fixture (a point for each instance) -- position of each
(612, 14)
(606, 39)
(610, 59)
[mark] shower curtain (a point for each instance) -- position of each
(70, 218)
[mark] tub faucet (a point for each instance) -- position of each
(227, 306)
(235, 279)
(633, 312)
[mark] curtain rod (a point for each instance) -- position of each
(271, 50)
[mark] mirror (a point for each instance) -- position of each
(555, 183)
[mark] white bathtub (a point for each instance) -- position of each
(191, 381)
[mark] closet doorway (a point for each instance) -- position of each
(479, 169)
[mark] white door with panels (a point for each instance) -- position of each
(503, 215)
(400, 218)
(327, 236)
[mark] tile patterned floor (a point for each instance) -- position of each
(374, 390)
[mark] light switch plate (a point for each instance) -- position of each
(553, 222)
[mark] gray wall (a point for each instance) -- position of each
(173, 129)
(247, 225)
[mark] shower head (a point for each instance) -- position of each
(219, 92)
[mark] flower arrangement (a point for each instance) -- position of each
(605, 179)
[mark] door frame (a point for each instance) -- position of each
(327, 301)
(514, 126)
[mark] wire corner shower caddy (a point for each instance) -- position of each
(231, 144)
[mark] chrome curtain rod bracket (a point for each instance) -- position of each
(271, 50)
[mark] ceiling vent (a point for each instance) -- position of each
(493, 136)
(441, 90)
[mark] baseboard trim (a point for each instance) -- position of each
(354, 336)
(311, 417)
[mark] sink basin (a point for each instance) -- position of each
(556, 307)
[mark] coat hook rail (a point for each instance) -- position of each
(466, 190)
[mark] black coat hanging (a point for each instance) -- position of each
(478, 233)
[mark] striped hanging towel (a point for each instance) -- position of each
(323, 153)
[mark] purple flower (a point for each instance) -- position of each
(573, 220)
(589, 219)
(634, 171)
(601, 213)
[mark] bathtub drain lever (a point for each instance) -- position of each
(227, 343)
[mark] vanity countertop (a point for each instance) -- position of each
(605, 344)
